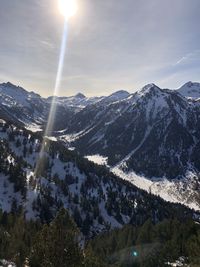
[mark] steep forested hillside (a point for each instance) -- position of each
(41, 183)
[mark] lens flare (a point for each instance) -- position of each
(68, 8)
(58, 80)
(52, 112)
(134, 253)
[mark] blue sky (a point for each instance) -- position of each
(111, 45)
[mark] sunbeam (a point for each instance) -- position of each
(52, 112)
(51, 117)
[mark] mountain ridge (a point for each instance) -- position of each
(153, 133)
(96, 199)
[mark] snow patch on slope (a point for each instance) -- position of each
(98, 159)
(176, 191)
(33, 127)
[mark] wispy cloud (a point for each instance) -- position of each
(47, 44)
(190, 56)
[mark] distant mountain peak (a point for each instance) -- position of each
(11, 89)
(120, 93)
(80, 95)
(191, 84)
(151, 89)
(190, 90)
(150, 86)
(117, 96)
(11, 85)
(8, 84)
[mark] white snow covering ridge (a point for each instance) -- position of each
(11, 95)
(177, 191)
(33, 127)
(98, 159)
(190, 90)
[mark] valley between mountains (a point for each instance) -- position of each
(150, 138)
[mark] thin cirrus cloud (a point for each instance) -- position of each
(193, 56)
(184, 69)
(111, 45)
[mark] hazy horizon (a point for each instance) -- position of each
(97, 95)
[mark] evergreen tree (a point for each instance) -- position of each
(56, 244)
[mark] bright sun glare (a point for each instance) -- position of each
(68, 8)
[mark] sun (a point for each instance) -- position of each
(68, 8)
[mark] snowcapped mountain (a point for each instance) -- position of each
(190, 90)
(19, 105)
(16, 95)
(41, 184)
(78, 101)
(31, 110)
(152, 134)
(117, 96)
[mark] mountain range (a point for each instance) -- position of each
(150, 137)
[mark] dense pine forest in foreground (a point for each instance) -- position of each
(28, 243)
